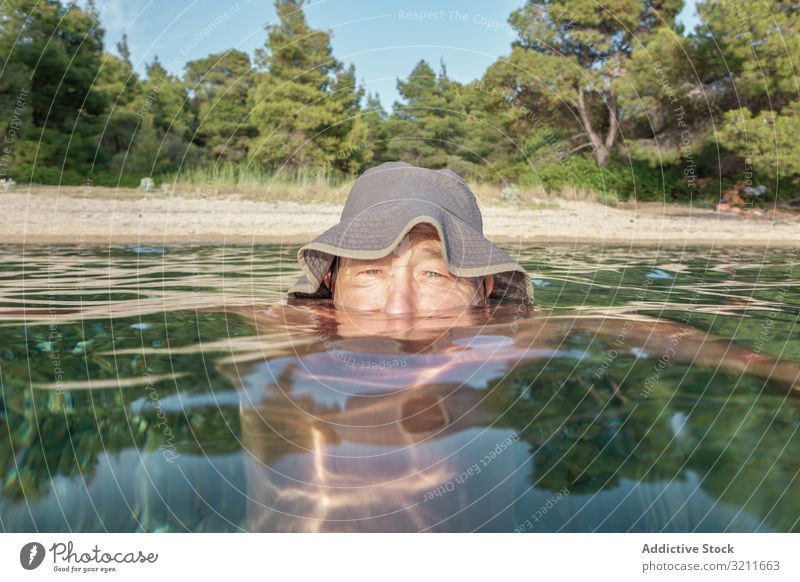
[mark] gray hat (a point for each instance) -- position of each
(389, 200)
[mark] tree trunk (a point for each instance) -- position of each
(601, 147)
(601, 154)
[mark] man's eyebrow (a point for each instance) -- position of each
(362, 263)
(431, 253)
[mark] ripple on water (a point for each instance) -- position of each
(167, 388)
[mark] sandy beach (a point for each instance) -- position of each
(50, 215)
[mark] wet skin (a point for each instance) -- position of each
(307, 427)
(411, 280)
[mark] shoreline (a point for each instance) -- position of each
(88, 242)
(44, 218)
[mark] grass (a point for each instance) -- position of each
(293, 185)
(608, 198)
(226, 182)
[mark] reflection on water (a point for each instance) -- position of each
(173, 389)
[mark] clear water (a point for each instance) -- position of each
(172, 389)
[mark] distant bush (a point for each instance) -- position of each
(609, 198)
(113, 181)
(48, 175)
(618, 181)
(55, 177)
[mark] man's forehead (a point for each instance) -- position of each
(425, 244)
(422, 241)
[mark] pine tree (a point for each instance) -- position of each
(165, 117)
(427, 127)
(167, 99)
(305, 104)
(54, 52)
(123, 49)
(123, 91)
(749, 55)
(15, 82)
(570, 53)
(220, 84)
(348, 136)
(375, 117)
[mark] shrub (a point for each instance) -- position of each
(618, 181)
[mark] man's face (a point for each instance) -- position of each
(411, 280)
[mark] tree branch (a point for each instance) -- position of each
(588, 144)
(587, 123)
(613, 121)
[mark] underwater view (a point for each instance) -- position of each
(172, 389)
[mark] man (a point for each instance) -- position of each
(360, 419)
(409, 242)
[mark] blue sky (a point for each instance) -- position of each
(384, 39)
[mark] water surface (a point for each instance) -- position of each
(173, 389)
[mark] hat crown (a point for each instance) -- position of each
(399, 181)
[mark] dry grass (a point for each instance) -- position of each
(317, 192)
(492, 195)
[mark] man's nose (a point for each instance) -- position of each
(400, 294)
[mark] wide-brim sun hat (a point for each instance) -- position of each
(389, 200)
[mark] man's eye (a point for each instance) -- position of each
(433, 275)
(372, 272)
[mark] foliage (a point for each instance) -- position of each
(54, 58)
(611, 96)
(639, 181)
(427, 126)
(221, 84)
(571, 54)
(305, 101)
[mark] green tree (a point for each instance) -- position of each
(54, 52)
(305, 103)
(766, 142)
(15, 82)
(511, 131)
(124, 92)
(165, 123)
(750, 54)
(146, 157)
(167, 99)
(427, 127)
(375, 116)
(123, 49)
(570, 55)
(220, 84)
(348, 136)
(16, 36)
(661, 96)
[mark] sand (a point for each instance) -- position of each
(47, 216)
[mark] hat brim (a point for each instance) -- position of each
(376, 231)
